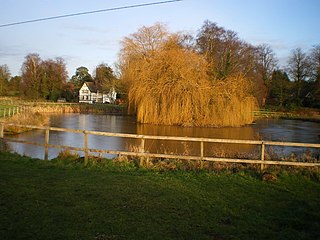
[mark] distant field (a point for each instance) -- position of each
(63, 200)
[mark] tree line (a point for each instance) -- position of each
(296, 84)
(214, 53)
(48, 79)
(213, 78)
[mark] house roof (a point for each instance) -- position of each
(91, 86)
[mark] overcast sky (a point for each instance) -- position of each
(89, 40)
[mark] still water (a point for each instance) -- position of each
(275, 130)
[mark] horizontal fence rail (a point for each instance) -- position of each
(142, 151)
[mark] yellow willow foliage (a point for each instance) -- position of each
(231, 102)
(172, 88)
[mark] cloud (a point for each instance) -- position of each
(90, 36)
(86, 28)
(104, 44)
(10, 51)
(276, 44)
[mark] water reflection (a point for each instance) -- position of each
(289, 131)
(275, 130)
(36, 136)
(193, 148)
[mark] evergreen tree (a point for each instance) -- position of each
(81, 75)
(280, 88)
(104, 78)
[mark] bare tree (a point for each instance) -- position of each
(138, 48)
(144, 42)
(315, 63)
(4, 78)
(31, 76)
(298, 70)
(226, 54)
(43, 79)
(315, 74)
(266, 64)
(15, 85)
(54, 77)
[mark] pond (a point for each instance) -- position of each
(272, 129)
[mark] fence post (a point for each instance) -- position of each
(4, 112)
(262, 155)
(201, 154)
(46, 144)
(9, 112)
(1, 130)
(142, 145)
(141, 150)
(2, 147)
(85, 148)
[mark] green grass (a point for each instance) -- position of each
(102, 108)
(301, 113)
(63, 200)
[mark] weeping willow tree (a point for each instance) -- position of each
(231, 102)
(168, 84)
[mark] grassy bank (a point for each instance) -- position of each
(34, 113)
(56, 107)
(103, 108)
(68, 108)
(25, 118)
(61, 200)
(305, 114)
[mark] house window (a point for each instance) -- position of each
(85, 91)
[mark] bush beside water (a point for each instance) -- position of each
(25, 118)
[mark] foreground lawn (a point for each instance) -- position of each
(52, 200)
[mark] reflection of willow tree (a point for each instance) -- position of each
(168, 84)
(211, 149)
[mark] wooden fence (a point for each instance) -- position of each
(143, 153)
(11, 110)
(264, 113)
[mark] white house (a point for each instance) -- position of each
(88, 93)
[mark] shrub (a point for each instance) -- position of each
(26, 118)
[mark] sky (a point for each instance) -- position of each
(92, 39)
